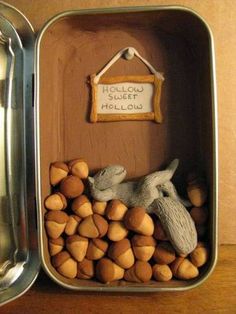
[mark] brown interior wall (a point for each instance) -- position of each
(71, 51)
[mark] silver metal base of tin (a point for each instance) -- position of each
(18, 244)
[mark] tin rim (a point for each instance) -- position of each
(115, 10)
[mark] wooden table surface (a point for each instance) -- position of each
(216, 295)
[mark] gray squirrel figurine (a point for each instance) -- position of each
(154, 192)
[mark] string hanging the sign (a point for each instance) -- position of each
(126, 97)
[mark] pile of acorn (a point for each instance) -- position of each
(107, 241)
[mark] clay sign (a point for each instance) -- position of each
(126, 98)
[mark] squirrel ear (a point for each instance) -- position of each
(91, 180)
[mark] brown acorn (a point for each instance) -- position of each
(99, 207)
(197, 194)
(56, 201)
(116, 210)
(159, 233)
(71, 186)
(161, 272)
(121, 253)
(55, 246)
(164, 253)
(96, 249)
(107, 271)
(65, 264)
(85, 269)
(139, 272)
(143, 247)
(117, 231)
(55, 223)
(93, 226)
(81, 206)
(182, 268)
(77, 246)
(200, 254)
(58, 171)
(72, 225)
(199, 215)
(79, 168)
(136, 219)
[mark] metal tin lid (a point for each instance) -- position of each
(19, 261)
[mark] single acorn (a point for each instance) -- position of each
(161, 272)
(200, 254)
(71, 186)
(164, 253)
(107, 271)
(139, 272)
(182, 268)
(56, 201)
(136, 219)
(93, 226)
(197, 193)
(99, 207)
(79, 168)
(121, 253)
(58, 171)
(55, 246)
(116, 210)
(55, 223)
(85, 269)
(77, 246)
(199, 215)
(143, 247)
(96, 249)
(159, 233)
(117, 231)
(65, 264)
(72, 225)
(81, 206)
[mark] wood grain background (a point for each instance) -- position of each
(221, 17)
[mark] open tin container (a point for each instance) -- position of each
(54, 123)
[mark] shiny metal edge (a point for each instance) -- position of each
(115, 10)
(22, 20)
(25, 33)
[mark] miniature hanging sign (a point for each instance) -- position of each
(126, 97)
